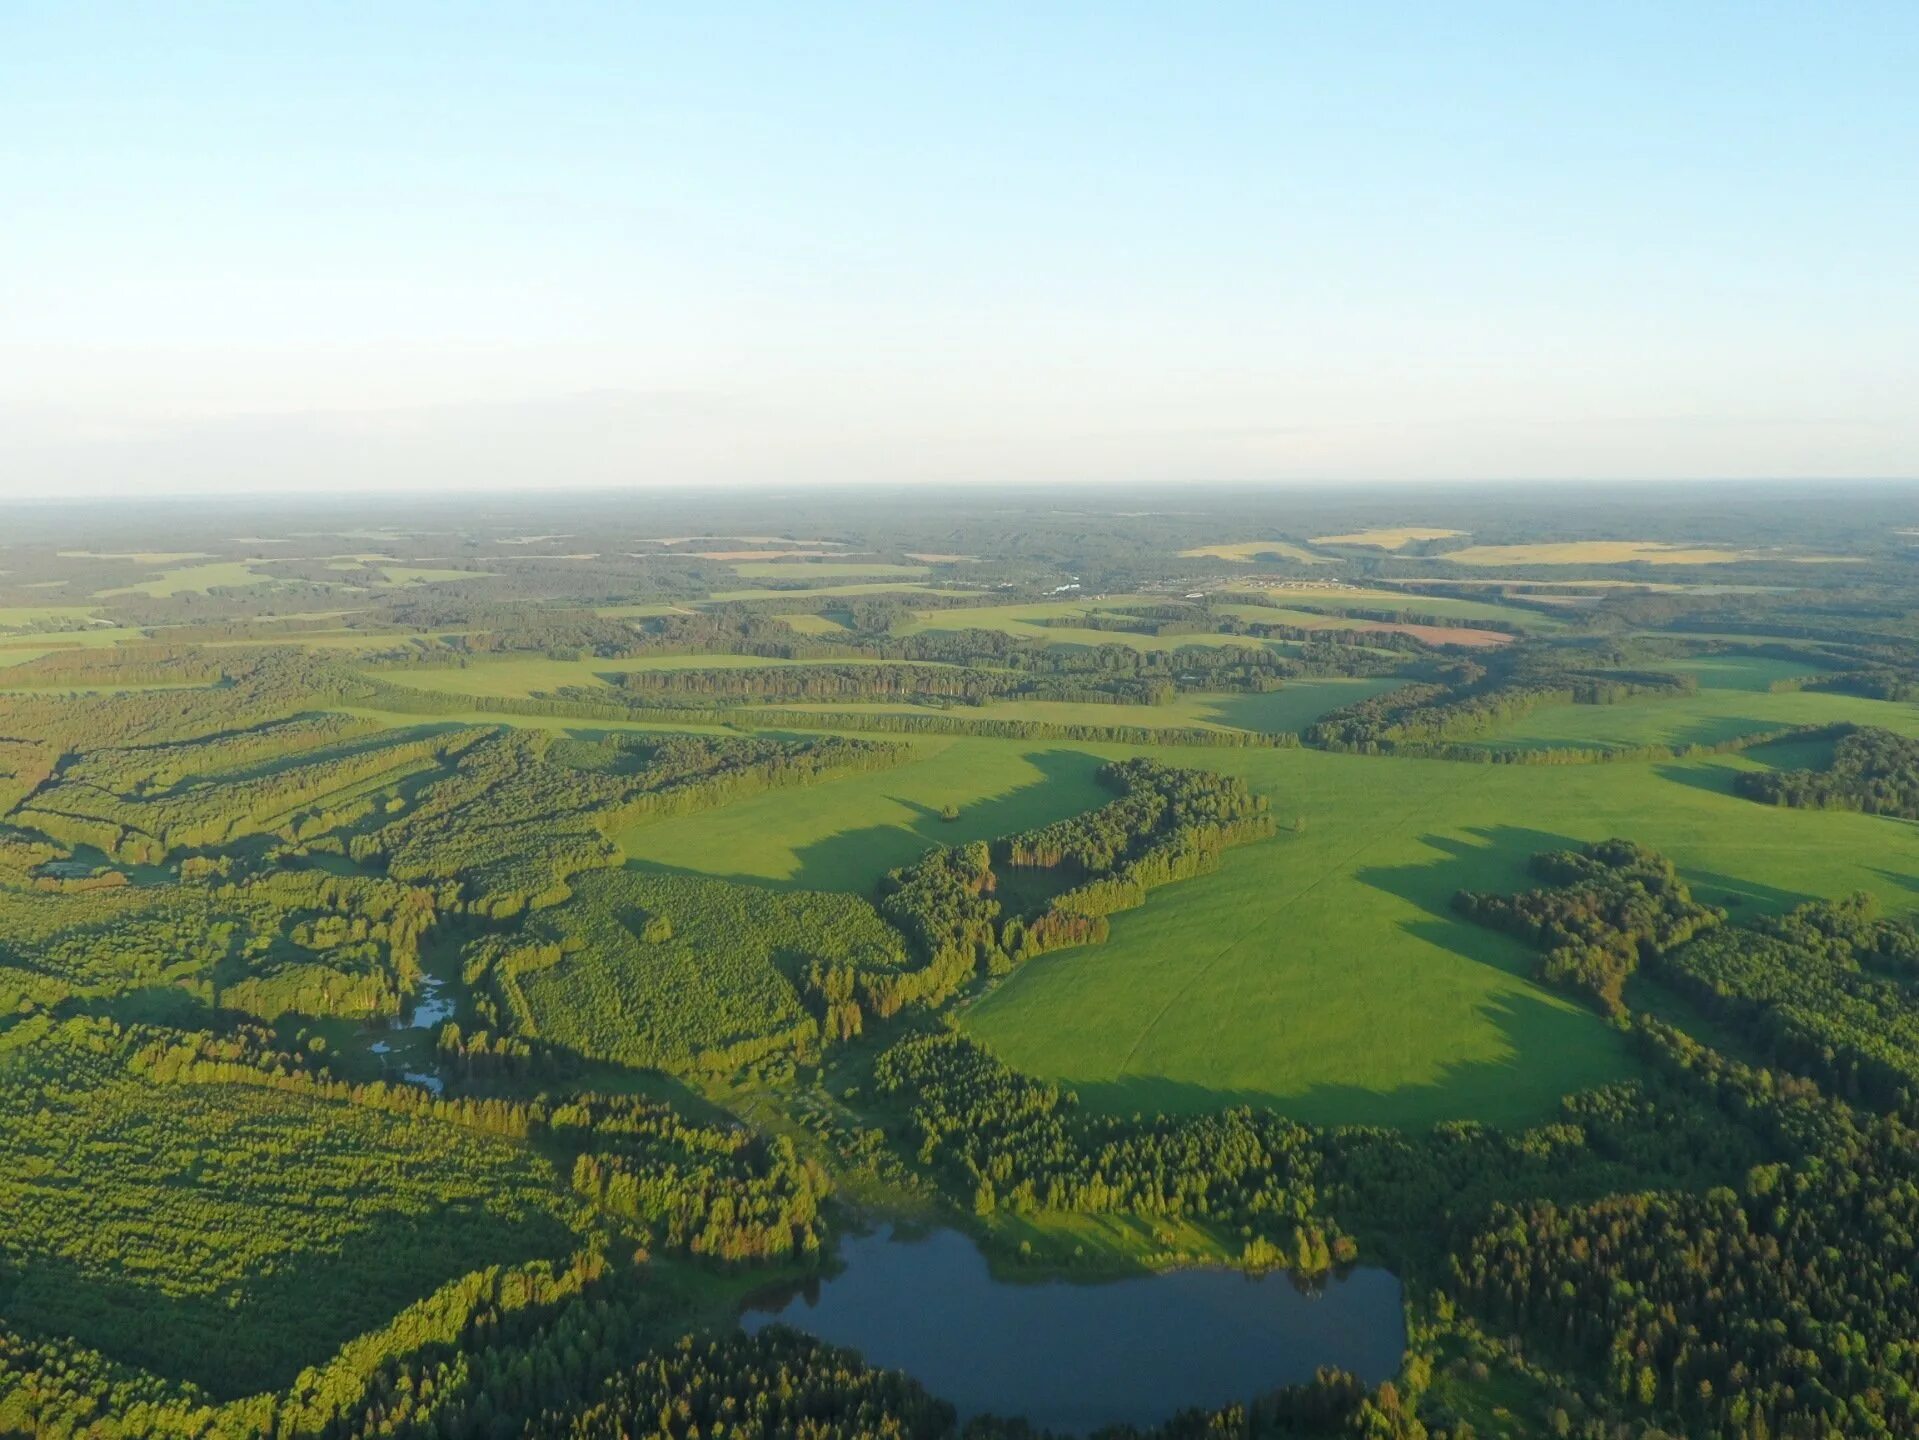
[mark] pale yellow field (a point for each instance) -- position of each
(12, 615)
(1603, 552)
(196, 579)
(1247, 551)
(143, 557)
(762, 554)
(821, 569)
(1389, 538)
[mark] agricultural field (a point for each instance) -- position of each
(1291, 708)
(13, 617)
(1248, 551)
(1444, 607)
(1733, 700)
(1334, 981)
(823, 570)
(1396, 537)
(1606, 552)
(194, 579)
(847, 834)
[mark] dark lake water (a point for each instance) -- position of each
(1071, 1356)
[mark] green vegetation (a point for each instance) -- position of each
(820, 569)
(432, 1016)
(1871, 770)
(193, 579)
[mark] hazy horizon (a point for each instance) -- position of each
(400, 248)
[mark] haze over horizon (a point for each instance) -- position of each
(411, 246)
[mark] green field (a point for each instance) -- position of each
(875, 587)
(1444, 607)
(195, 579)
(426, 574)
(1324, 972)
(1247, 551)
(521, 676)
(1297, 704)
(15, 616)
(845, 834)
(1732, 701)
(1018, 621)
(825, 569)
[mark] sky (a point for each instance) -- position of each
(346, 246)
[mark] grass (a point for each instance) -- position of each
(1444, 607)
(15, 616)
(519, 676)
(1732, 700)
(143, 557)
(1293, 707)
(195, 579)
(1603, 552)
(1431, 634)
(1389, 537)
(830, 569)
(869, 588)
(1020, 622)
(94, 637)
(1324, 973)
(1247, 551)
(426, 574)
(845, 834)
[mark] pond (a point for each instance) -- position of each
(1073, 1356)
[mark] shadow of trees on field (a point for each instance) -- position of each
(854, 859)
(1530, 1028)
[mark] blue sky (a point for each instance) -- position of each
(342, 244)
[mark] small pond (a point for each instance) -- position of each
(1073, 1356)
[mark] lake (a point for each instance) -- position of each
(1074, 1356)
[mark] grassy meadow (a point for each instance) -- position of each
(1601, 552)
(1297, 704)
(1322, 972)
(195, 579)
(1733, 700)
(1396, 537)
(831, 569)
(1247, 551)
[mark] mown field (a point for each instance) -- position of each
(1251, 550)
(1295, 705)
(1388, 537)
(519, 676)
(1601, 552)
(1323, 971)
(807, 569)
(1444, 607)
(845, 834)
(1733, 700)
(187, 579)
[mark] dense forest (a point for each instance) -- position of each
(1871, 770)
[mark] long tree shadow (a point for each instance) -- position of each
(855, 859)
(1500, 863)
(1532, 1030)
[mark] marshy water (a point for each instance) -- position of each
(1073, 1356)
